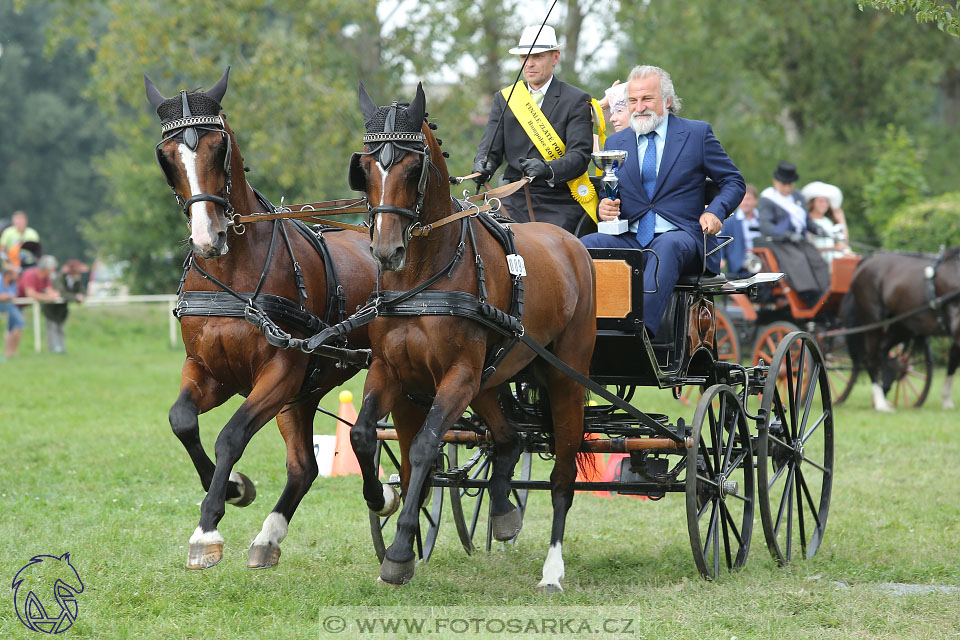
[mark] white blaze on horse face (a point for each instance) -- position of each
(201, 231)
(383, 189)
(553, 567)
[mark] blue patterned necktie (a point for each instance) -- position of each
(648, 176)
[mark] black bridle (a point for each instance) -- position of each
(390, 147)
(186, 128)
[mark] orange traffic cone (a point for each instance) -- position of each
(344, 459)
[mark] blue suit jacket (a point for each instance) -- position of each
(691, 153)
(736, 250)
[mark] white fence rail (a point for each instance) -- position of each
(169, 300)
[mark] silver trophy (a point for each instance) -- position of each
(610, 162)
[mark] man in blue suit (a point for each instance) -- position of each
(662, 184)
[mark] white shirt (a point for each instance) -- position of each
(542, 89)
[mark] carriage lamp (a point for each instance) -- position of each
(609, 162)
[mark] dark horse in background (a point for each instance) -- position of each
(227, 355)
(886, 285)
(440, 357)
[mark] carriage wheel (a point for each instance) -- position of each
(728, 349)
(795, 450)
(911, 365)
(842, 370)
(719, 483)
(430, 511)
(766, 347)
(470, 505)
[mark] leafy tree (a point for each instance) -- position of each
(925, 225)
(49, 132)
(897, 178)
(945, 15)
(291, 102)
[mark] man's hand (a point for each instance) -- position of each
(710, 224)
(486, 169)
(609, 209)
(536, 168)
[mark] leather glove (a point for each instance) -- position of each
(536, 168)
(485, 169)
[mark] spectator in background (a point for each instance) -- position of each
(742, 226)
(783, 222)
(823, 208)
(14, 236)
(71, 287)
(614, 106)
(15, 323)
(37, 283)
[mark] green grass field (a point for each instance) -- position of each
(89, 465)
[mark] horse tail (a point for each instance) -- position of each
(586, 462)
(849, 319)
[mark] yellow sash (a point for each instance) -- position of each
(601, 124)
(548, 143)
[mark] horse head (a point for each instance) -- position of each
(394, 171)
(197, 165)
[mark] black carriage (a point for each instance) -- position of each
(760, 435)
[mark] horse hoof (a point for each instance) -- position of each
(549, 588)
(505, 527)
(391, 502)
(203, 555)
(397, 573)
(263, 556)
(248, 492)
(381, 583)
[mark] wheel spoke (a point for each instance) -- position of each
(715, 438)
(789, 498)
(815, 426)
(800, 522)
(813, 508)
(710, 527)
(814, 379)
(726, 536)
(816, 464)
(788, 487)
(733, 525)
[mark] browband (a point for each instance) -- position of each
(189, 121)
(394, 136)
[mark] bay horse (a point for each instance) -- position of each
(440, 358)
(225, 356)
(886, 285)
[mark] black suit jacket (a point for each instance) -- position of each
(568, 110)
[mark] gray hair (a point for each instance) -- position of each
(666, 85)
(47, 263)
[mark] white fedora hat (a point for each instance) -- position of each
(823, 190)
(546, 42)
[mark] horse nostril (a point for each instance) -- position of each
(221, 237)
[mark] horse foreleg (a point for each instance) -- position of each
(505, 519)
(269, 394)
(379, 394)
(566, 407)
(296, 427)
(453, 394)
(874, 356)
(946, 394)
(199, 392)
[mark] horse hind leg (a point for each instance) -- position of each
(296, 427)
(505, 519)
(874, 356)
(566, 407)
(946, 392)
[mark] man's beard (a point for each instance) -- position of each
(643, 126)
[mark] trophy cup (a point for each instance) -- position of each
(609, 162)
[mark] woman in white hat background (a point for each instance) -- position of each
(823, 208)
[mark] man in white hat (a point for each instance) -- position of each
(560, 193)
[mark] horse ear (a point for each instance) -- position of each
(153, 94)
(216, 91)
(367, 106)
(418, 108)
